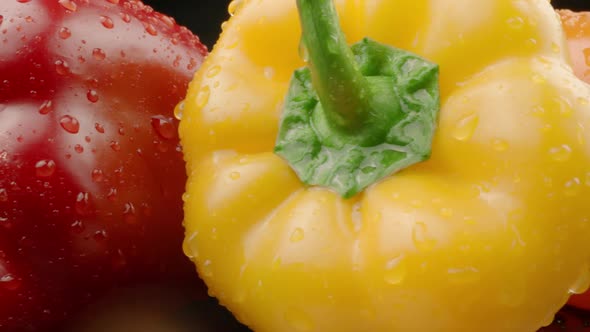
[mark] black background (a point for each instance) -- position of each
(204, 17)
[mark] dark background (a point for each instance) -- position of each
(204, 17)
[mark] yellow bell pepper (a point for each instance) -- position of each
(487, 231)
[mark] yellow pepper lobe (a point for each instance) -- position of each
(490, 234)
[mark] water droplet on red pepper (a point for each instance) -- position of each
(115, 146)
(70, 124)
(164, 127)
(106, 22)
(83, 205)
(79, 148)
(69, 5)
(114, 1)
(112, 195)
(46, 107)
(125, 17)
(92, 96)
(100, 235)
(151, 30)
(3, 195)
(78, 227)
(99, 54)
(45, 168)
(9, 282)
(129, 213)
(97, 175)
(62, 67)
(64, 33)
(99, 128)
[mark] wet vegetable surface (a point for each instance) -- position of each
(91, 174)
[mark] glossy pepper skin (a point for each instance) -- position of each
(577, 28)
(490, 234)
(90, 169)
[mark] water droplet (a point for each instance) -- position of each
(64, 33)
(582, 283)
(213, 71)
(97, 175)
(125, 17)
(100, 236)
(92, 96)
(164, 127)
(499, 144)
(192, 64)
(78, 148)
(99, 54)
(45, 168)
(99, 128)
(515, 22)
(463, 275)
(112, 195)
(395, 271)
(3, 195)
(176, 61)
(560, 153)
(83, 205)
(9, 282)
(129, 214)
(299, 320)
(115, 2)
(303, 51)
(77, 227)
(235, 175)
(115, 146)
(421, 238)
(46, 107)
(465, 128)
(70, 124)
(234, 7)
(203, 97)
(562, 105)
(357, 217)
(151, 30)
(297, 235)
(62, 67)
(269, 72)
(179, 110)
(106, 22)
(187, 249)
(68, 4)
(572, 187)
(206, 270)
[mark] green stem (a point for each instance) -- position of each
(340, 85)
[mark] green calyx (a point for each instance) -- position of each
(356, 114)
